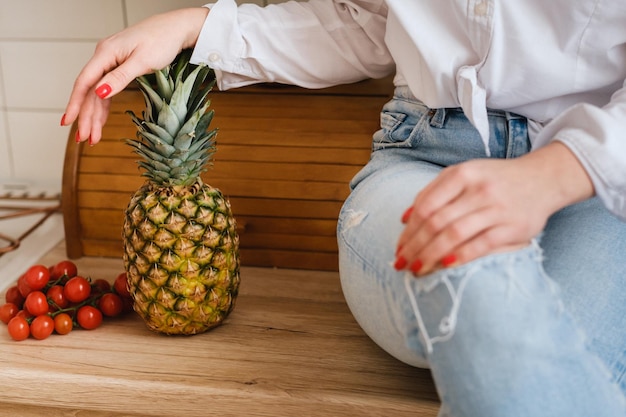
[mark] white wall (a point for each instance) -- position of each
(43, 46)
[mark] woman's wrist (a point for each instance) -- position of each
(562, 172)
(193, 23)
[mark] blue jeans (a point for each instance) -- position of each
(536, 332)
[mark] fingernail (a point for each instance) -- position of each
(103, 91)
(400, 263)
(90, 141)
(407, 214)
(77, 136)
(448, 260)
(63, 120)
(416, 266)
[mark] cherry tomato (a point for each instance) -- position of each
(24, 314)
(111, 304)
(63, 323)
(14, 296)
(36, 303)
(23, 287)
(7, 312)
(77, 289)
(101, 285)
(56, 297)
(121, 285)
(42, 327)
(37, 276)
(89, 317)
(18, 328)
(64, 268)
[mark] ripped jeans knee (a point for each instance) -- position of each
(478, 298)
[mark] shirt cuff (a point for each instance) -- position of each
(221, 46)
(592, 135)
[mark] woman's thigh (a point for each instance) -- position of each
(585, 254)
(368, 228)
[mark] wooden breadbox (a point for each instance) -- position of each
(284, 158)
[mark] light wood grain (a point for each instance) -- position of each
(290, 348)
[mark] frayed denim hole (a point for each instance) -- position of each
(349, 220)
(447, 324)
(549, 282)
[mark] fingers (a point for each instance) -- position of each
(100, 78)
(91, 119)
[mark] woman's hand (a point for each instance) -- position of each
(485, 206)
(150, 45)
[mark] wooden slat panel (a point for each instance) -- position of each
(103, 247)
(236, 187)
(249, 136)
(234, 169)
(291, 259)
(227, 152)
(248, 206)
(230, 109)
(292, 126)
(322, 261)
(261, 241)
(295, 242)
(315, 227)
(307, 209)
(107, 224)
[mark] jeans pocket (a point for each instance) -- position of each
(399, 122)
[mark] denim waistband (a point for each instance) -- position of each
(445, 136)
(439, 114)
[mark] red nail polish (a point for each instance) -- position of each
(400, 263)
(90, 141)
(448, 260)
(416, 266)
(103, 91)
(77, 136)
(63, 120)
(407, 214)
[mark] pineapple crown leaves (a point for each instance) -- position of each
(173, 136)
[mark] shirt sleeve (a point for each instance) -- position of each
(596, 135)
(312, 44)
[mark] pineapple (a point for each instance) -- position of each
(181, 248)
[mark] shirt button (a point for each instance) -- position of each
(214, 57)
(481, 8)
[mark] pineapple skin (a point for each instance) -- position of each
(181, 255)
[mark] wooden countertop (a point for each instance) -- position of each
(290, 348)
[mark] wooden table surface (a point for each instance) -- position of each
(290, 348)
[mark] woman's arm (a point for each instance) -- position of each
(313, 44)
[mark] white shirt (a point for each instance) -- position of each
(561, 63)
